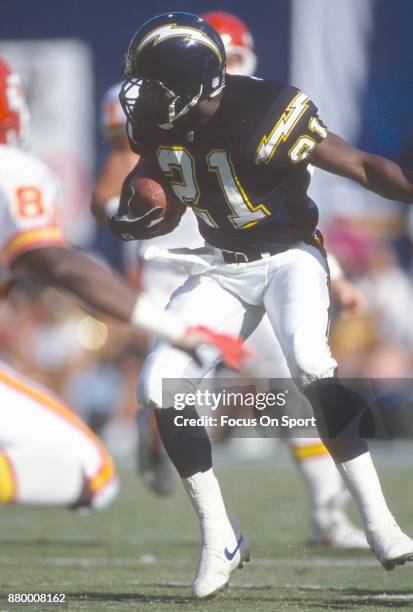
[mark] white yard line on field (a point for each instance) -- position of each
(152, 560)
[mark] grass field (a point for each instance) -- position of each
(141, 553)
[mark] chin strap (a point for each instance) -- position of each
(172, 116)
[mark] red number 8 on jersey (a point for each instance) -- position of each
(29, 202)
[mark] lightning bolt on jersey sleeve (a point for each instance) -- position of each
(289, 130)
(30, 202)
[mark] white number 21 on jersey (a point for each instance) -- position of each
(243, 214)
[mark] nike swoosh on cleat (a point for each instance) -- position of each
(230, 555)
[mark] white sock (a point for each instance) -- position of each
(322, 479)
(205, 495)
(361, 478)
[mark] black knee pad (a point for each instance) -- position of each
(339, 410)
(188, 446)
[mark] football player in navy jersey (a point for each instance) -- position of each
(328, 497)
(236, 150)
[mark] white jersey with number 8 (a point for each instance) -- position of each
(30, 201)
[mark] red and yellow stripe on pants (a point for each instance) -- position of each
(8, 486)
(98, 480)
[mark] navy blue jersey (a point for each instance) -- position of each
(244, 172)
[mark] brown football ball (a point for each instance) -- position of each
(146, 193)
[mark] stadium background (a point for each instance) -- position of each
(355, 60)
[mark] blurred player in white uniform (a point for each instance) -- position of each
(48, 456)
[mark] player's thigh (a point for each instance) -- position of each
(297, 302)
(267, 359)
(31, 416)
(199, 301)
(160, 281)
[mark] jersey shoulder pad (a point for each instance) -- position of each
(287, 130)
(246, 100)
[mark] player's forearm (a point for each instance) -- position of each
(103, 208)
(80, 275)
(87, 280)
(96, 286)
(100, 289)
(387, 179)
(109, 295)
(373, 172)
(105, 196)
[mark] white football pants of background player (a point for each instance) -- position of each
(48, 456)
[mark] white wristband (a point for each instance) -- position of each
(112, 206)
(148, 317)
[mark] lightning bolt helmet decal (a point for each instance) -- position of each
(182, 57)
(174, 30)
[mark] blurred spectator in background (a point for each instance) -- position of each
(120, 161)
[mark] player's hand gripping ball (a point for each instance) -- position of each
(146, 210)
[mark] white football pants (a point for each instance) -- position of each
(291, 287)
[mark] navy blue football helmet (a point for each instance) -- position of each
(179, 59)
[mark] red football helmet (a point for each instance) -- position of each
(238, 42)
(14, 115)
